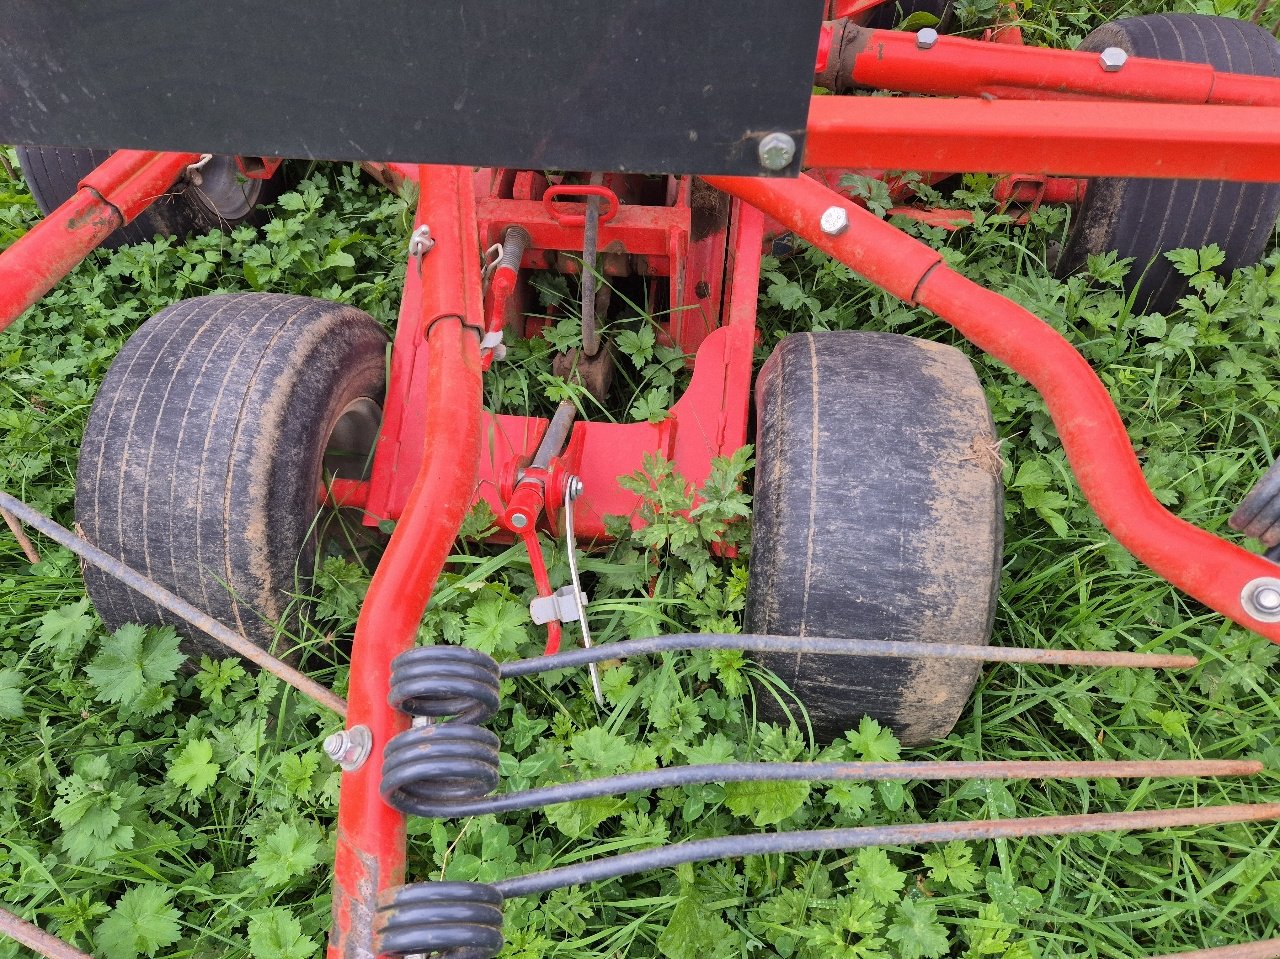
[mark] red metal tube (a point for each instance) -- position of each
(109, 197)
(371, 837)
(1205, 567)
(953, 66)
(1058, 138)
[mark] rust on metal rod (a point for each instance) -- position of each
(35, 938)
(1265, 949)
(28, 548)
(173, 603)
(893, 649)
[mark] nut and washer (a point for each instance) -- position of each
(926, 38)
(1112, 59)
(573, 486)
(777, 150)
(1261, 599)
(835, 220)
(350, 747)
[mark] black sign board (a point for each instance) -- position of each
(642, 85)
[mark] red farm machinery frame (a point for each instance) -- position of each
(1049, 118)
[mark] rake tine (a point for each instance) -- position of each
(36, 939)
(858, 837)
(891, 649)
(1264, 949)
(173, 603)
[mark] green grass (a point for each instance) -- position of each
(195, 817)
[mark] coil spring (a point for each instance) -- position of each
(439, 682)
(426, 767)
(455, 920)
(423, 769)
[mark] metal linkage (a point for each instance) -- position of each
(173, 603)
(464, 920)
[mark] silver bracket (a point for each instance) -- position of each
(421, 242)
(493, 342)
(565, 605)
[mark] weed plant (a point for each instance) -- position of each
(155, 806)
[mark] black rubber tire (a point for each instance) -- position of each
(1144, 219)
(53, 174)
(205, 447)
(878, 514)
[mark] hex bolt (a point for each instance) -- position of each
(835, 220)
(777, 150)
(926, 38)
(1261, 599)
(350, 747)
(1112, 59)
(573, 486)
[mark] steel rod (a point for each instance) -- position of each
(881, 648)
(173, 603)
(827, 772)
(1059, 137)
(35, 938)
(736, 847)
(1265, 949)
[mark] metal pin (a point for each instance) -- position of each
(572, 490)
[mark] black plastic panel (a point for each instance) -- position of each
(643, 85)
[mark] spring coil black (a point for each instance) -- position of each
(452, 683)
(426, 767)
(450, 759)
(454, 920)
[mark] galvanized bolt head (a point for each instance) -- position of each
(777, 150)
(926, 38)
(519, 520)
(1261, 599)
(573, 485)
(835, 220)
(350, 747)
(1112, 59)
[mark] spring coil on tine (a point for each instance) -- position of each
(452, 683)
(454, 920)
(455, 760)
(427, 767)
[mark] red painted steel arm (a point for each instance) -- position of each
(1055, 137)
(109, 197)
(371, 836)
(1093, 436)
(953, 66)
